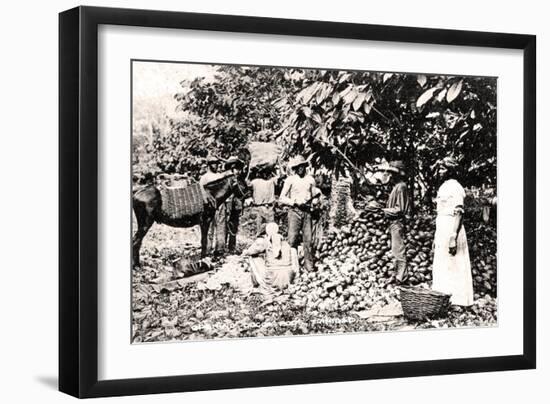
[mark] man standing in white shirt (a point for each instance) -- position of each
(298, 192)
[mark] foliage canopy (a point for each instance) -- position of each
(340, 119)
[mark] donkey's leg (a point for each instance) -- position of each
(145, 220)
(205, 226)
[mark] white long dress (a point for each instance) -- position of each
(451, 274)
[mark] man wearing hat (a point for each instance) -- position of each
(211, 175)
(298, 192)
(234, 204)
(229, 214)
(397, 209)
(212, 168)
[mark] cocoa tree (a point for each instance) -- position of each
(341, 120)
(226, 113)
(417, 118)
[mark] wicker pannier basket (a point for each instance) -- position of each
(420, 303)
(177, 203)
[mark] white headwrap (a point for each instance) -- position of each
(274, 239)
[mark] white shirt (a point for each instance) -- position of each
(263, 191)
(298, 189)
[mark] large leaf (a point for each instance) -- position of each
(307, 94)
(355, 116)
(321, 133)
(346, 91)
(421, 79)
(350, 96)
(280, 103)
(318, 92)
(336, 98)
(301, 93)
(323, 92)
(368, 106)
(368, 95)
(425, 97)
(441, 95)
(358, 101)
(342, 76)
(307, 111)
(317, 118)
(453, 91)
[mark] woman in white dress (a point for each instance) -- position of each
(452, 272)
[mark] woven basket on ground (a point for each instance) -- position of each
(420, 304)
(192, 265)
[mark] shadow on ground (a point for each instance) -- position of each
(48, 381)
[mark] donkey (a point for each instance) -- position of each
(147, 204)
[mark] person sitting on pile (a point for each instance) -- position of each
(273, 262)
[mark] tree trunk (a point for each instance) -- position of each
(341, 202)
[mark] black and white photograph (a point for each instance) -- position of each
(274, 201)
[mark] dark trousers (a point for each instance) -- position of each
(300, 221)
(227, 225)
(398, 250)
(232, 229)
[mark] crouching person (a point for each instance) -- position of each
(273, 263)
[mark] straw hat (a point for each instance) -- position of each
(233, 161)
(297, 161)
(396, 166)
(212, 160)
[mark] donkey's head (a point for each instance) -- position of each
(238, 185)
(230, 184)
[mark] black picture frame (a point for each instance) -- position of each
(78, 201)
